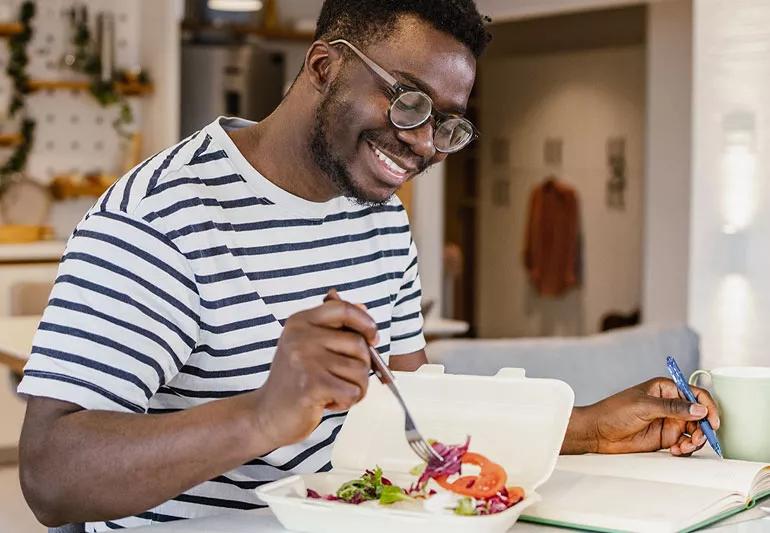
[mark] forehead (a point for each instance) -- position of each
(446, 67)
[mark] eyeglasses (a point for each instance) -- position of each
(411, 108)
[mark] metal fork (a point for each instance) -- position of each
(416, 441)
(418, 444)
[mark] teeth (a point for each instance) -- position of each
(389, 162)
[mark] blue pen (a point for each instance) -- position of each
(684, 388)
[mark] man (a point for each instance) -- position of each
(187, 356)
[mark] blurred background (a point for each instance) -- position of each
(616, 206)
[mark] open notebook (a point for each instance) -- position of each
(648, 492)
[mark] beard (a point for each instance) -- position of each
(334, 167)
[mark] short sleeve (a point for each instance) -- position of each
(406, 322)
(121, 321)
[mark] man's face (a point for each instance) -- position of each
(352, 129)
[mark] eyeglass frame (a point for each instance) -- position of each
(398, 89)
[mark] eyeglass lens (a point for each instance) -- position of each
(412, 109)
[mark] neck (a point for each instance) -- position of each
(278, 149)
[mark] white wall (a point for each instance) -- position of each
(668, 156)
(160, 55)
(428, 231)
(584, 98)
(729, 300)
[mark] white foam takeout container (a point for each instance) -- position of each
(515, 421)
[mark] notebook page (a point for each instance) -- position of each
(703, 469)
(627, 504)
(761, 482)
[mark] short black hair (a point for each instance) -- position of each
(366, 21)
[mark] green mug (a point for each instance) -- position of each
(743, 397)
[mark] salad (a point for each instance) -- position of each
(468, 495)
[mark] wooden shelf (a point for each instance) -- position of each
(70, 186)
(272, 34)
(128, 89)
(8, 29)
(10, 139)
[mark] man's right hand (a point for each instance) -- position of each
(322, 362)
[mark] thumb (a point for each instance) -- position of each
(675, 408)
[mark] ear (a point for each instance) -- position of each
(321, 65)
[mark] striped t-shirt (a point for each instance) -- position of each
(174, 289)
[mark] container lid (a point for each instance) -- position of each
(515, 421)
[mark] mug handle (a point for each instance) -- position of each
(698, 373)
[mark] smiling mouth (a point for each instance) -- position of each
(392, 173)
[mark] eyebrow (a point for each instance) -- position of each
(424, 87)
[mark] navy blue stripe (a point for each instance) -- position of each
(285, 223)
(166, 162)
(94, 365)
(113, 525)
(406, 286)
(157, 517)
(249, 201)
(73, 306)
(406, 336)
(307, 452)
(141, 254)
(90, 386)
(325, 468)
(87, 258)
(240, 324)
(221, 276)
(413, 263)
(410, 316)
(237, 350)
(330, 265)
(374, 304)
(235, 372)
(104, 341)
(383, 349)
(206, 158)
(130, 183)
(296, 246)
(195, 180)
(230, 300)
(415, 294)
(341, 287)
(218, 502)
(175, 391)
(383, 325)
(107, 195)
(124, 298)
(246, 485)
(203, 147)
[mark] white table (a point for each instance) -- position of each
(16, 335)
(263, 521)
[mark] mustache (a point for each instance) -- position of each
(396, 148)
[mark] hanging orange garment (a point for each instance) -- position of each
(552, 243)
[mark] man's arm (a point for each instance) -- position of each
(80, 465)
(648, 417)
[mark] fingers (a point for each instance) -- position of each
(336, 314)
(339, 394)
(676, 408)
(345, 343)
(705, 399)
(689, 443)
(352, 371)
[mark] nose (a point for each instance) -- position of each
(420, 140)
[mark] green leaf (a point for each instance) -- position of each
(392, 494)
(418, 470)
(466, 507)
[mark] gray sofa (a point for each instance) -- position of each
(595, 367)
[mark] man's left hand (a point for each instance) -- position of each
(649, 417)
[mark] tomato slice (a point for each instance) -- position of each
(490, 480)
(515, 494)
